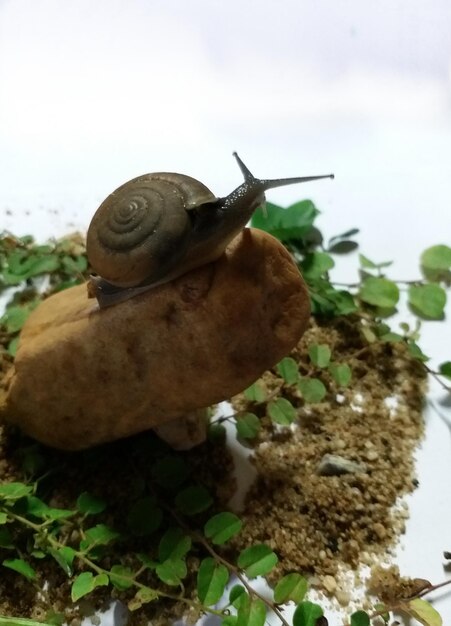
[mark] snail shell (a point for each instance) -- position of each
(159, 226)
(143, 228)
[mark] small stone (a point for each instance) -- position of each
(372, 455)
(335, 465)
(343, 597)
(329, 584)
(380, 531)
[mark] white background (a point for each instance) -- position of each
(95, 93)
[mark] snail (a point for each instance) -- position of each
(159, 226)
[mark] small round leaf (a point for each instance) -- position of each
(222, 527)
(319, 354)
(171, 572)
(312, 390)
(257, 560)
(174, 544)
(82, 585)
(247, 425)
(436, 258)
(288, 370)
(255, 393)
(379, 292)
(290, 587)
(20, 566)
(360, 618)
(341, 373)
(307, 613)
(121, 577)
(428, 301)
(212, 578)
(193, 500)
(281, 411)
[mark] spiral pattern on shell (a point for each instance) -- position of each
(142, 230)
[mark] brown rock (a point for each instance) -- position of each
(84, 376)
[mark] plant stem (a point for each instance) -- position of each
(232, 568)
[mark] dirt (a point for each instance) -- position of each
(316, 524)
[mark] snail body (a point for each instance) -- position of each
(159, 226)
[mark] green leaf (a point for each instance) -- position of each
(428, 301)
(343, 247)
(312, 390)
(230, 620)
(43, 265)
(90, 504)
(64, 556)
(147, 561)
(24, 264)
(15, 317)
(101, 580)
(193, 500)
(436, 258)
(52, 617)
(171, 572)
(341, 373)
(212, 578)
(3, 518)
(384, 614)
(144, 516)
(235, 593)
(290, 587)
(121, 577)
(38, 508)
(101, 534)
(257, 560)
(293, 222)
(222, 527)
(170, 472)
(14, 491)
(20, 566)
(445, 369)
(391, 337)
(379, 292)
(247, 425)
(174, 545)
(319, 354)
(251, 612)
(360, 618)
(366, 263)
(326, 300)
(307, 613)
(416, 351)
(281, 411)
(12, 346)
(255, 393)
(142, 596)
(315, 264)
(349, 233)
(424, 612)
(86, 582)
(288, 370)
(76, 265)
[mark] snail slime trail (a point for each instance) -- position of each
(159, 226)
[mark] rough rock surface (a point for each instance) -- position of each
(84, 376)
